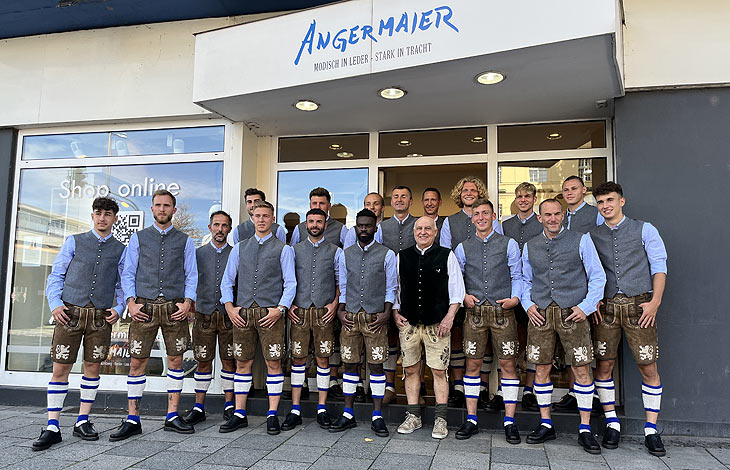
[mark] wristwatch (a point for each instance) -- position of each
(282, 309)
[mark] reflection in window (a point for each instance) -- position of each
(124, 143)
(467, 141)
(323, 147)
(54, 203)
(538, 175)
(557, 136)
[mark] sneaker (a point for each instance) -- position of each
(410, 424)
(440, 431)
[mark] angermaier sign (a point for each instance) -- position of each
(368, 36)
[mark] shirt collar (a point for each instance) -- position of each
(577, 209)
(562, 229)
(218, 250)
(163, 232)
(401, 222)
(99, 237)
(528, 217)
(262, 240)
(309, 239)
(490, 236)
(424, 250)
(366, 247)
(617, 225)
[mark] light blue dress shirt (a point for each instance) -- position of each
(351, 237)
(131, 261)
(513, 260)
(592, 266)
(654, 247)
(54, 284)
(569, 215)
(295, 234)
(445, 239)
(286, 261)
(391, 275)
(280, 234)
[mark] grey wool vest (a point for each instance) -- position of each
(519, 232)
(486, 271)
(331, 233)
(365, 278)
(584, 219)
(161, 267)
(93, 271)
(461, 228)
(315, 273)
(439, 224)
(398, 236)
(557, 270)
(247, 230)
(211, 266)
(260, 278)
(623, 258)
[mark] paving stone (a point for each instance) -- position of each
(468, 445)
(139, 448)
(28, 431)
(360, 433)
(723, 455)
(200, 444)
(453, 459)
(9, 442)
(76, 451)
(689, 458)
(519, 456)
(411, 447)
(290, 453)
(314, 436)
(515, 466)
(204, 466)
(235, 456)
(571, 452)
(631, 456)
(557, 464)
(278, 465)
(327, 462)
(356, 450)
(10, 455)
(498, 440)
(259, 441)
(401, 462)
(423, 434)
(169, 460)
(40, 463)
(107, 462)
(212, 431)
(160, 435)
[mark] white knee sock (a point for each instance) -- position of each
(274, 384)
(135, 386)
(377, 385)
(227, 380)
(510, 390)
(471, 386)
(175, 380)
(323, 379)
(202, 381)
(298, 373)
(88, 390)
(349, 383)
(544, 394)
(242, 383)
(584, 395)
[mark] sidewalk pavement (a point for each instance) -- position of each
(308, 446)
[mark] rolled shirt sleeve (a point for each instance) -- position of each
(460, 256)
(655, 249)
(339, 255)
(526, 296)
(515, 267)
(343, 280)
(457, 291)
(118, 291)
(445, 238)
(229, 276)
(54, 283)
(288, 273)
(129, 273)
(281, 233)
(595, 273)
(191, 270)
(391, 276)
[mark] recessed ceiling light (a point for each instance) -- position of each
(335, 147)
(345, 154)
(392, 93)
(404, 143)
(306, 105)
(554, 136)
(489, 78)
(478, 139)
(414, 155)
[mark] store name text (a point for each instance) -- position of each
(71, 190)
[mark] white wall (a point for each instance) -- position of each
(676, 43)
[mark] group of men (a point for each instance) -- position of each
(456, 289)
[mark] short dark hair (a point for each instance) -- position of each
(230, 220)
(402, 186)
(316, 212)
(482, 202)
(266, 204)
(435, 190)
(549, 200)
(253, 192)
(574, 177)
(320, 192)
(164, 192)
(105, 204)
(608, 187)
(367, 213)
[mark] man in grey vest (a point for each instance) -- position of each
(368, 281)
(431, 201)
(160, 279)
(493, 279)
(266, 288)
(320, 198)
(397, 233)
(85, 296)
(635, 261)
(562, 283)
(317, 265)
(212, 325)
(522, 227)
(373, 202)
(245, 230)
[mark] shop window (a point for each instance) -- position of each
(124, 143)
(440, 142)
(324, 147)
(538, 175)
(558, 136)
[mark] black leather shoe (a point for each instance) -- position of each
(125, 431)
(529, 402)
(654, 445)
(467, 430)
(458, 400)
(291, 421)
(234, 423)
(47, 439)
(379, 428)
(512, 434)
(272, 425)
(611, 438)
(179, 426)
(343, 424)
(589, 443)
(335, 392)
(228, 413)
(194, 417)
(360, 394)
(495, 404)
(540, 435)
(86, 431)
(567, 404)
(323, 419)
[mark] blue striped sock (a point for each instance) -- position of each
(133, 418)
(228, 404)
(240, 413)
(296, 409)
(472, 418)
(377, 414)
(527, 390)
(200, 407)
(82, 418)
(53, 425)
(171, 415)
(321, 408)
(508, 420)
(649, 428)
(272, 413)
(547, 422)
(584, 428)
(348, 413)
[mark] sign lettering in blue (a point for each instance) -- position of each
(408, 23)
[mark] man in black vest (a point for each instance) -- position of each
(368, 281)
(266, 288)
(635, 261)
(431, 201)
(317, 265)
(212, 324)
(562, 283)
(320, 198)
(430, 293)
(85, 296)
(245, 230)
(160, 292)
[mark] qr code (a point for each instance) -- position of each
(128, 223)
